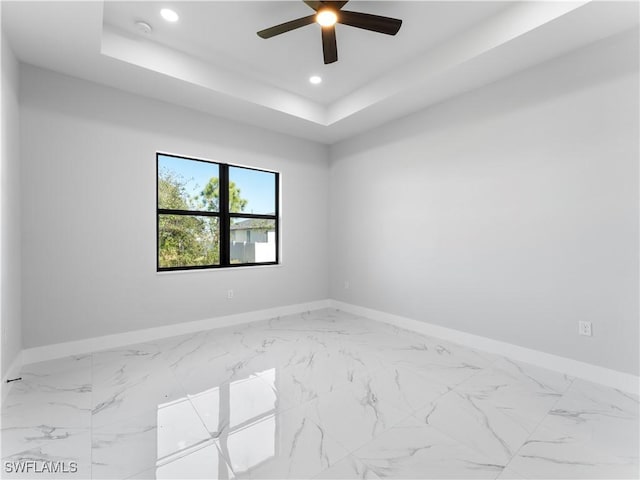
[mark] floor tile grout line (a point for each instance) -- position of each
(371, 371)
(412, 415)
(455, 389)
(344, 385)
(350, 453)
(455, 440)
(535, 429)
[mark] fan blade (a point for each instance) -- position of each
(317, 5)
(375, 23)
(287, 26)
(329, 46)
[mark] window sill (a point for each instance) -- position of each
(217, 269)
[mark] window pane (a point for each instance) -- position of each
(252, 191)
(187, 184)
(188, 240)
(253, 240)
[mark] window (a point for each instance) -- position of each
(212, 215)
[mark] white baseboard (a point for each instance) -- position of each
(594, 373)
(12, 372)
(574, 368)
(80, 347)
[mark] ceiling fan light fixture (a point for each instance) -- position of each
(169, 15)
(327, 17)
(327, 14)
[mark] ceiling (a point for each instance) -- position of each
(287, 61)
(212, 60)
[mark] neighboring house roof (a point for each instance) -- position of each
(250, 224)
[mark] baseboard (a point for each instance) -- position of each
(574, 368)
(594, 373)
(12, 372)
(80, 347)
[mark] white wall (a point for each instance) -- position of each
(510, 212)
(88, 207)
(10, 212)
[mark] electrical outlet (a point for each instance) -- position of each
(346, 285)
(584, 328)
(229, 294)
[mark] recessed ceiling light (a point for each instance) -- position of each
(169, 15)
(315, 79)
(143, 27)
(326, 18)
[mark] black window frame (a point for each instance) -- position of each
(224, 216)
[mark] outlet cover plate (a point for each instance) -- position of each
(584, 328)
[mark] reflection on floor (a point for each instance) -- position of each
(319, 395)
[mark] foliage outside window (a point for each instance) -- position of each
(212, 214)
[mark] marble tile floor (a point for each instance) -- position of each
(319, 395)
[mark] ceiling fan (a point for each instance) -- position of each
(327, 15)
